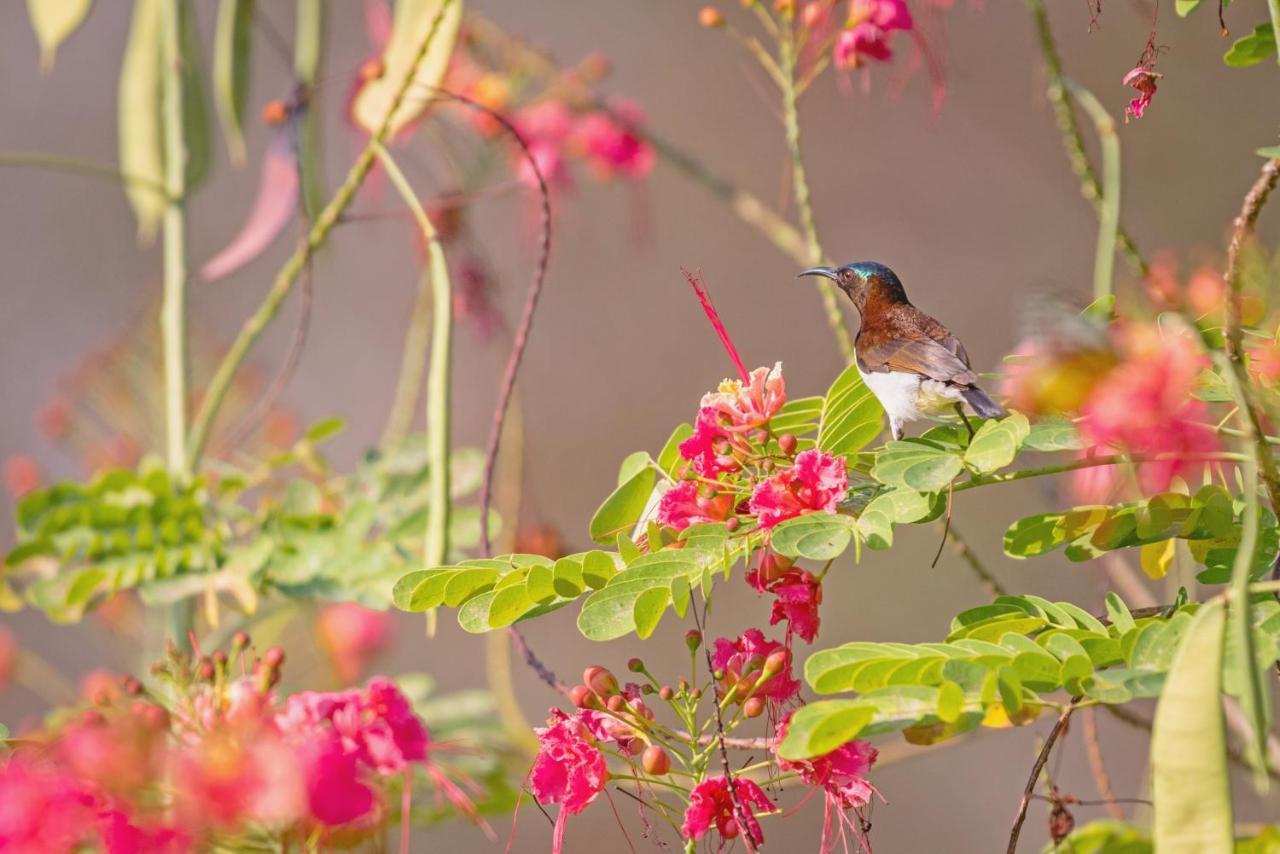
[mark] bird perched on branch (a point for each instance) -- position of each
(912, 363)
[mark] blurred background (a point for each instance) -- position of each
(973, 205)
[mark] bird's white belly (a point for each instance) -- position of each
(908, 397)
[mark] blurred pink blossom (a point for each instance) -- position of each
(612, 144)
(351, 635)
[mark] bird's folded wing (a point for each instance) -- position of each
(925, 357)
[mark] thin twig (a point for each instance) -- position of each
(202, 424)
(535, 664)
(89, 169)
(1072, 138)
(1093, 749)
(1036, 770)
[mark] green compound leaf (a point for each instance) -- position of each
(851, 415)
(996, 443)
(917, 464)
(821, 727)
(624, 507)
(816, 536)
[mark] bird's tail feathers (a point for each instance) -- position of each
(982, 404)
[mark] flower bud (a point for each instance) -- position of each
(666, 692)
(730, 829)
(771, 569)
(372, 69)
(132, 686)
(581, 696)
(760, 436)
(616, 703)
(274, 657)
(646, 689)
(206, 670)
(683, 685)
(219, 658)
(787, 442)
(784, 7)
(774, 664)
(696, 693)
(600, 680)
(710, 16)
(655, 760)
(732, 524)
(635, 665)
(275, 112)
(635, 746)
(239, 641)
(693, 639)
(754, 707)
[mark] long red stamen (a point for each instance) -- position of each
(703, 297)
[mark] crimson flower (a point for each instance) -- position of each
(568, 770)
(743, 662)
(711, 803)
(683, 505)
(817, 481)
(842, 777)
(868, 32)
(708, 449)
(612, 145)
(799, 594)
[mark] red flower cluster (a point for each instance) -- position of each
(753, 666)
(711, 803)
(568, 770)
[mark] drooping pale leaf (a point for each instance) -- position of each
(273, 209)
(1253, 48)
(851, 415)
(622, 510)
(916, 464)
(308, 41)
(232, 40)
(415, 20)
(140, 124)
(54, 21)
(996, 443)
(1156, 558)
(821, 727)
(1185, 7)
(197, 130)
(816, 536)
(1271, 151)
(1255, 693)
(1192, 797)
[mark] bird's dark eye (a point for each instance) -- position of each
(846, 277)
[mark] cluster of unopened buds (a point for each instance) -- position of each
(751, 679)
(206, 753)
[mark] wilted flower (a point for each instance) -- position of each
(744, 663)
(817, 481)
(568, 770)
(351, 635)
(712, 804)
(1143, 79)
(799, 595)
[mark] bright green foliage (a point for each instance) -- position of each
(851, 415)
(1208, 520)
(1253, 48)
(1191, 792)
(313, 536)
(996, 443)
(1001, 663)
(622, 510)
(1118, 837)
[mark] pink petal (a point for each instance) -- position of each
(272, 209)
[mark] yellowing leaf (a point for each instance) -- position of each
(1156, 558)
(54, 21)
(415, 21)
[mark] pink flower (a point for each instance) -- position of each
(21, 475)
(747, 406)
(842, 772)
(842, 776)
(1145, 406)
(8, 656)
(337, 793)
(568, 770)
(711, 803)
(545, 127)
(1143, 79)
(683, 505)
(377, 725)
(817, 481)
(710, 446)
(42, 809)
(871, 25)
(614, 147)
(743, 661)
(799, 594)
(351, 635)
(231, 776)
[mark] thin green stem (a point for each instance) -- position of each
(87, 168)
(324, 223)
(804, 202)
(438, 386)
(1104, 260)
(173, 309)
(1072, 139)
(413, 361)
(1273, 6)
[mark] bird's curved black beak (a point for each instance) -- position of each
(829, 272)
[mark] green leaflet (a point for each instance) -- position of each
(816, 536)
(232, 41)
(996, 443)
(821, 727)
(851, 415)
(1192, 797)
(917, 464)
(622, 510)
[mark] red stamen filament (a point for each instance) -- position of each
(703, 297)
